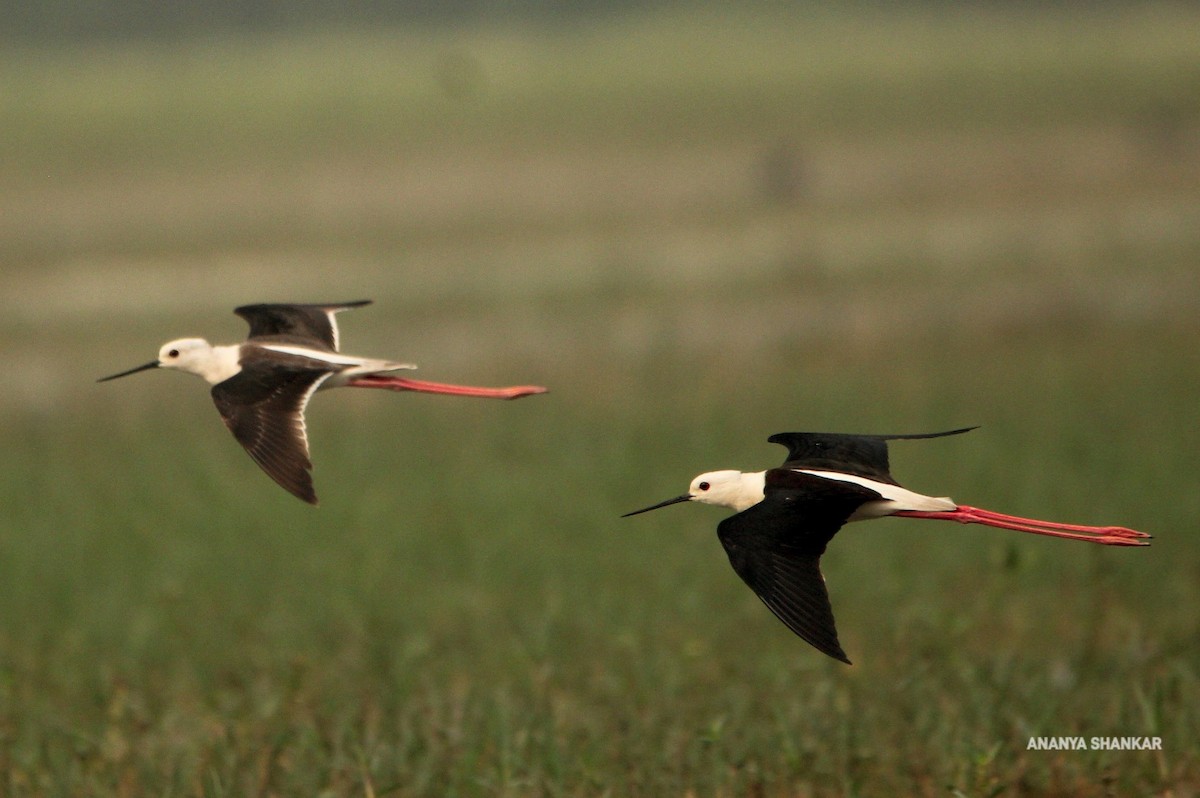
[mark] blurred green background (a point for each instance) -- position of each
(698, 225)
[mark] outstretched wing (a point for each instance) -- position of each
(313, 325)
(776, 547)
(263, 406)
(861, 455)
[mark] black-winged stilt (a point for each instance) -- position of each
(261, 386)
(787, 515)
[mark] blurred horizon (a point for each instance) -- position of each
(987, 165)
(61, 20)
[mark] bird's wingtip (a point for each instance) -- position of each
(943, 434)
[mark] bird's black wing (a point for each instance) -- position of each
(263, 406)
(313, 325)
(862, 455)
(776, 547)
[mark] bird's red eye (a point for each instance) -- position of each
(704, 486)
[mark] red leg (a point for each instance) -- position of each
(1108, 535)
(393, 383)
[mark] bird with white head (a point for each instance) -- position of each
(261, 387)
(786, 516)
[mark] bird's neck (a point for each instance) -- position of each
(751, 490)
(220, 366)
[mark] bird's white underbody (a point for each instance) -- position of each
(741, 490)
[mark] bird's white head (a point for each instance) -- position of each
(195, 356)
(186, 354)
(734, 489)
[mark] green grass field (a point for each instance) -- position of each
(698, 230)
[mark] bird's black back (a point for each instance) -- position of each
(861, 455)
(776, 546)
(310, 324)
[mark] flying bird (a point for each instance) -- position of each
(262, 386)
(786, 516)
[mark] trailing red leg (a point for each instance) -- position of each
(1107, 535)
(393, 383)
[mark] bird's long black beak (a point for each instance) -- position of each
(685, 497)
(151, 365)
